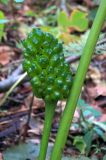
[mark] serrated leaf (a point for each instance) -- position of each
(78, 20)
(76, 47)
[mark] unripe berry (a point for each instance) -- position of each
(45, 65)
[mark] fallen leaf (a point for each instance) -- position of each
(5, 54)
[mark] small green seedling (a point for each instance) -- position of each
(49, 74)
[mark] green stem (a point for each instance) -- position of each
(49, 113)
(67, 117)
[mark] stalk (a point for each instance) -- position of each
(66, 119)
(49, 113)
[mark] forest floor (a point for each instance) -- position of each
(18, 126)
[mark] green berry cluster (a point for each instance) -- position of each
(45, 65)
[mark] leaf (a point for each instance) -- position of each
(62, 19)
(76, 47)
(2, 17)
(30, 13)
(5, 55)
(80, 144)
(104, 158)
(78, 20)
(100, 124)
(49, 9)
(67, 38)
(88, 137)
(4, 2)
(100, 133)
(101, 47)
(87, 109)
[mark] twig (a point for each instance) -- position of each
(13, 122)
(26, 126)
(30, 110)
(7, 83)
(72, 59)
(12, 88)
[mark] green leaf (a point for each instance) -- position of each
(87, 109)
(2, 17)
(100, 124)
(100, 133)
(80, 144)
(76, 46)
(88, 139)
(4, 2)
(78, 20)
(62, 19)
(30, 13)
(104, 158)
(49, 9)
